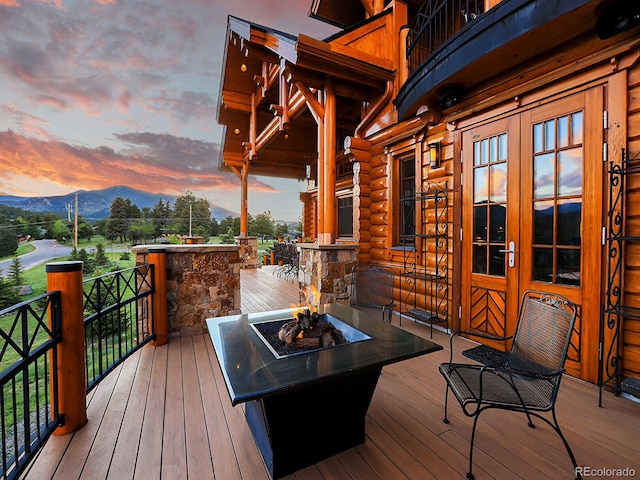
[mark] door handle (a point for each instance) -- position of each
(512, 254)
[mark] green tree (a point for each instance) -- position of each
(281, 229)
(100, 257)
(161, 215)
(262, 225)
(16, 272)
(227, 223)
(228, 236)
(60, 231)
(8, 296)
(121, 214)
(88, 263)
(191, 211)
(8, 243)
(140, 231)
(85, 230)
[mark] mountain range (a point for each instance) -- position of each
(95, 204)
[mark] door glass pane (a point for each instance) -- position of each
(502, 147)
(476, 154)
(570, 172)
(543, 175)
(480, 185)
(543, 223)
(537, 138)
(498, 183)
(576, 128)
(550, 135)
(480, 223)
(563, 131)
(568, 266)
(479, 259)
(498, 222)
(484, 152)
(569, 215)
(542, 264)
(493, 149)
(497, 260)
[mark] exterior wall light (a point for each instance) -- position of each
(434, 155)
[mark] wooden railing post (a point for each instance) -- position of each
(159, 316)
(72, 389)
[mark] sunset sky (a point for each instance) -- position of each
(97, 93)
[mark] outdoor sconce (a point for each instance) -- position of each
(434, 155)
(243, 67)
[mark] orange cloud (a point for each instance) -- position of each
(149, 162)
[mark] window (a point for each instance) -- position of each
(407, 189)
(345, 216)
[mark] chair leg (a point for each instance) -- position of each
(473, 435)
(566, 444)
(446, 400)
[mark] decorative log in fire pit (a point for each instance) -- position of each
(306, 332)
(310, 330)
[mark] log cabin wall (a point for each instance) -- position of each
(631, 331)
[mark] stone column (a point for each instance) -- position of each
(248, 251)
(326, 269)
(203, 281)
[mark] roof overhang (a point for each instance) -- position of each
(256, 60)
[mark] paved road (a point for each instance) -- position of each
(45, 250)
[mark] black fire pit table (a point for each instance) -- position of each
(305, 407)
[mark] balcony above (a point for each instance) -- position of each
(495, 55)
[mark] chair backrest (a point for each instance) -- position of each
(371, 286)
(543, 334)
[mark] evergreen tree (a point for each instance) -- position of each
(161, 215)
(16, 272)
(8, 296)
(100, 258)
(120, 214)
(8, 243)
(189, 209)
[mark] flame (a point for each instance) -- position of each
(312, 295)
(312, 299)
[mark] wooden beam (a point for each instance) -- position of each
(236, 101)
(317, 110)
(368, 7)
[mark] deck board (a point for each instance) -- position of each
(166, 414)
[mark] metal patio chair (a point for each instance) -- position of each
(529, 378)
(372, 287)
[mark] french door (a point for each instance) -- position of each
(532, 218)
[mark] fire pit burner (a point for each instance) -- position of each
(268, 331)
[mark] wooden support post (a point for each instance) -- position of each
(244, 201)
(72, 388)
(159, 316)
(328, 185)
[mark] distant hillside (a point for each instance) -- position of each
(95, 204)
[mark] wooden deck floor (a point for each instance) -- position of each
(165, 414)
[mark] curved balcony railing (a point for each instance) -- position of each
(438, 21)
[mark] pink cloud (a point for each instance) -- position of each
(150, 162)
